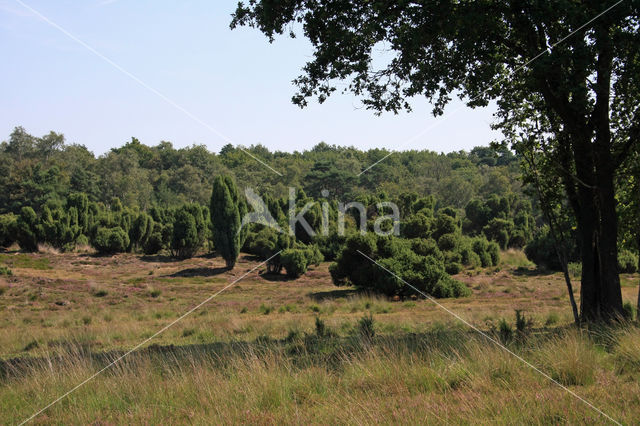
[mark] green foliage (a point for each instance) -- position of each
(141, 230)
(329, 245)
(227, 210)
(366, 327)
(629, 310)
(417, 226)
(189, 231)
(541, 250)
(498, 230)
(426, 247)
(453, 268)
(155, 242)
(424, 273)
(489, 253)
(8, 229)
(267, 244)
(627, 262)
(448, 242)
(296, 261)
(60, 228)
(111, 240)
(184, 242)
(4, 270)
(505, 331)
(578, 134)
(28, 230)
(445, 224)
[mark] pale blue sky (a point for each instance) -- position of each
(234, 81)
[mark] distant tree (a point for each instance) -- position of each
(324, 175)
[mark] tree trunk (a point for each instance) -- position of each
(601, 297)
(610, 292)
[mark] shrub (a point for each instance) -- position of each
(111, 240)
(267, 243)
(426, 247)
(448, 287)
(185, 240)
(295, 262)
(627, 262)
(227, 208)
(366, 327)
(416, 226)
(330, 245)
(498, 230)
(314, 256)
(494, 253)
(4, 270)
(155, 242)
(469, 257)
(480, 246)
(445, 224)
(448, 242)
(541, 250)
(505, 332)
(141, 229)
(27, 229)
(517, 239)
(8, 228)
(453, 268)
(59, 228)
(424, 274)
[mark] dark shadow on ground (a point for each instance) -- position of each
(528, 272)
(319, 296)
(158, 258)
(251, 258)
(329, 350)
(276, 277)
(198, 272)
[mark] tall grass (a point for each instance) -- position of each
(442, 377)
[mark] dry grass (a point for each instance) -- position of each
(252, 355)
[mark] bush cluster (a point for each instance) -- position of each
(541, 250)
(507, 220)
(296, 260)
(400, 270)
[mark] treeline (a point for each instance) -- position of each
(456, 211)
(36, 170)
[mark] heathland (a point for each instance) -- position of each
(270, 349)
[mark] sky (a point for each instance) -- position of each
(174, 71)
